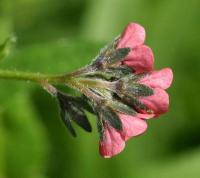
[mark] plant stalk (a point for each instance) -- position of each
(28, 76)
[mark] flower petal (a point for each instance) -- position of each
(158, 102)
(133, 35)
(146, 116)
(141, 59)
(132, 126)
(111, 143)
(158, 79)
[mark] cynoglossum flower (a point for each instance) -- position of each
(158, 81)
(120, 87)
(113, 141)
(141, 57)
(141, 60)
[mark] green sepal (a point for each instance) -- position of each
(110, 116)
(134, 103)
(100, 127)
(131, 77)
(122, 70)
(71, 111)
(80, 118)
(67, 121)
(84, 103)
(137, 89)
(107, 50)
(122, 108)
(115, 56)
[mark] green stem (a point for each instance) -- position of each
(34, 77)
(79, 84)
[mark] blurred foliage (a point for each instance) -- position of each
(5, 47)
(57, 36)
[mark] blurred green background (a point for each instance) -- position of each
(56, 36)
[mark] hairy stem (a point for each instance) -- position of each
(27, 76)
(73, 81)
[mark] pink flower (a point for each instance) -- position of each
(112, 142)
(141, 60)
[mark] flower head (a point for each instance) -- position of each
(141, 60)
(121, 88)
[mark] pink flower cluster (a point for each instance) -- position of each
(141, 59)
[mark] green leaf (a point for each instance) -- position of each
(5, 47)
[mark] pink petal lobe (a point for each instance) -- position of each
(132, 36)
(158, 102)
(145, 116)
(132, 126)
(158, 79)
(111, 143)
(141, 59)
